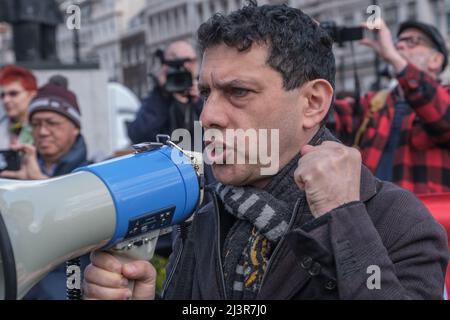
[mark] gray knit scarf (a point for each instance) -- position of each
(263, 217)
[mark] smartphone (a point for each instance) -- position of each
(341, 34)
(9, 160)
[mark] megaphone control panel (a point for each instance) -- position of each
(155, 220)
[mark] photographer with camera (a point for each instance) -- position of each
(403, 132)
(174, 102)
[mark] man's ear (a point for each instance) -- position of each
(76, 131)
(435, 62)
(319, 95)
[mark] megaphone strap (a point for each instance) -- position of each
(8, 261)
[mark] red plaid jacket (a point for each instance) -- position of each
(422, 159)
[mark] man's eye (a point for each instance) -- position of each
(239, 92)
(204, 93)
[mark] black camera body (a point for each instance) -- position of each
(9, 160)
(341, 34)
(179, 79)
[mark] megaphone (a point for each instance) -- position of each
(121, 205)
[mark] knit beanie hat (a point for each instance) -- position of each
(55, 98)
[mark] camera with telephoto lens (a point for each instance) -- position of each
(179, 79)
(341, 34)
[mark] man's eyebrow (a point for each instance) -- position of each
(228, 84)
(235, 83)
(202, 86)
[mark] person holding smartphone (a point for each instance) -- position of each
(403, 132)
(59, 148)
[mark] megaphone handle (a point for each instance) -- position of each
(144, 251)
(124, 260)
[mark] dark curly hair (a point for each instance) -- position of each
(298, 47)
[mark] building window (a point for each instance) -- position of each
(183, 17)
(176, 18)
(165, 23)
(212, 8)
(157, 27)
(150, 26)
(412, 14)
(224, 5)
(391, 16)
(104, 29)
(200, 12)
(171, 21)
(124, 58)
(105, 60)
(439, 8)
(137, 52)
(143, 52)
(113, 60)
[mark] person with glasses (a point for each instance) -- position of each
(59, 148)
(17, 88)
(403, 132)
